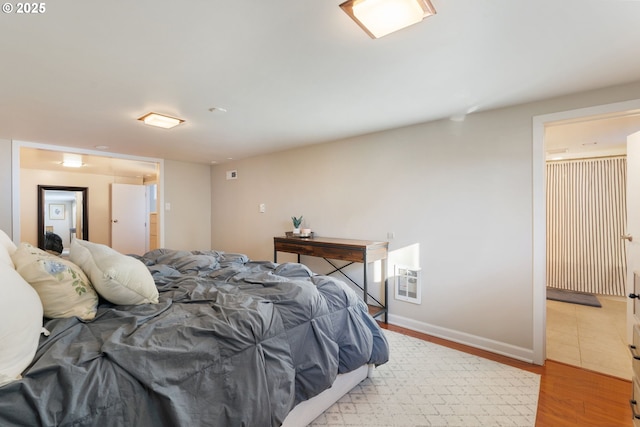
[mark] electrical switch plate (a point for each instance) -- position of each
(263, 208)
(232, 174)
(167, 206)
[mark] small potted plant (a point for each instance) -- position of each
(296, 224)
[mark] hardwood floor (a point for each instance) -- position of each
(569, 396)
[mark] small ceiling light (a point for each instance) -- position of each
(381, 17)
(72, 161)
(160, 120)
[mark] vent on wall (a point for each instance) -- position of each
(408, 284)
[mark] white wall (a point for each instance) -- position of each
(458, 195)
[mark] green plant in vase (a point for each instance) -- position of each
(296, 224)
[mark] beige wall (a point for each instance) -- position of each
(457, 196)
(98, 196)
(188, 191)
(5, 187)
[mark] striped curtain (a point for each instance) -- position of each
(586, 215)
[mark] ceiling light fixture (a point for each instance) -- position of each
(72, 161)
(72, 164)
(160, 120)
(381, 17)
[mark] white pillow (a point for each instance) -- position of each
(5, 258)
(20, 324)
(118, 278)
(64, 289)
(7, 248)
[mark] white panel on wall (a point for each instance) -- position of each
(408, 286)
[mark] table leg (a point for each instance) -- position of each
(364, 278)
(385, 283)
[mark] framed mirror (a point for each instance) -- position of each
(63, 212)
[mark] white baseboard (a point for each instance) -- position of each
(504, 349)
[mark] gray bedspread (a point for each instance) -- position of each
(231, 343)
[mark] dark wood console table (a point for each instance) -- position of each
(330, 248)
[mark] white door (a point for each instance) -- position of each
(128, 218)
(633, 228)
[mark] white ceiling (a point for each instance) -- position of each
(290, 72)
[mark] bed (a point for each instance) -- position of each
(212, 338)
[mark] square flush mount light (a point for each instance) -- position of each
(160, 120)
(381, 17)
(72, 161)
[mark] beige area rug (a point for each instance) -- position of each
(425, 384)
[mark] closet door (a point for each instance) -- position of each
(128, 218)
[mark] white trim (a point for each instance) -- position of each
(539, 213)
(15, 192)
(504, 349)
(539, 240)
(15, 177)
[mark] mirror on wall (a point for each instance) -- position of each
(63, 212)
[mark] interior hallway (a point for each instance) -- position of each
(590, 337)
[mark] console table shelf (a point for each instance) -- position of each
(331, 248)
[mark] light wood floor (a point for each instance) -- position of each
(590, 337)
(569, 396)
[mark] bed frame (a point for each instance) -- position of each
(305, 412)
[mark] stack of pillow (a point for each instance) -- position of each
(34, 283)
(20, 316)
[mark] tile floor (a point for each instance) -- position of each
(590, 337)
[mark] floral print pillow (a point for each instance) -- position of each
(64, 289)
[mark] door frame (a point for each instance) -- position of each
(539, 213)
(16, 146)
(631, 246)
(42, 189)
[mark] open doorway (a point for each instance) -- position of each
(41, 164)
(593, 338)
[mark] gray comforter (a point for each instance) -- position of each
(231, 343)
